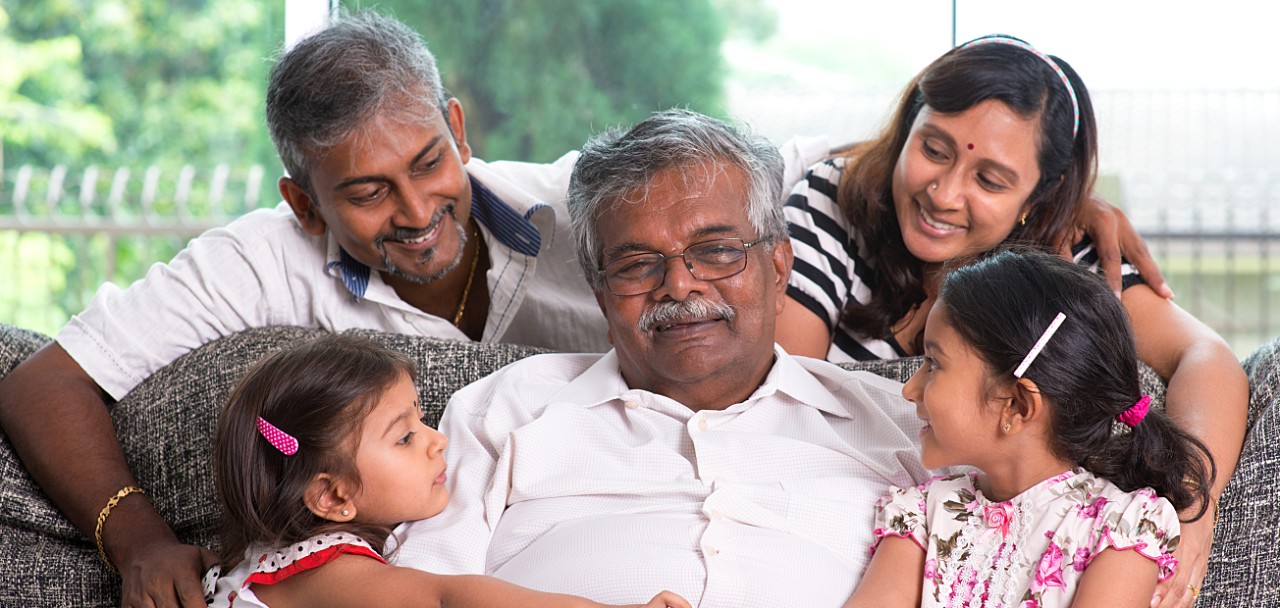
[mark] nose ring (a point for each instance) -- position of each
(933, 187)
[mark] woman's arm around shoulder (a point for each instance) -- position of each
(1208, 397)
(358, 581)
(894, 578)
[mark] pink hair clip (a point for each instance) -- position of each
(280, 440)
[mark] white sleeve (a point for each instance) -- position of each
(216, 286)
(798, 154)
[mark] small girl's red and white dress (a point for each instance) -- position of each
(265, 566)
(1028, 551)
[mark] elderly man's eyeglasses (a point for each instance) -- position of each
(707, 261)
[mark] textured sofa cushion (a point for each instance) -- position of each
(166, 427)
(1244, 569)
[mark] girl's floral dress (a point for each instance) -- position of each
(1029, 551)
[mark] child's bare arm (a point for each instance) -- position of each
(1116, 579)
(894, 577)
(358, 581)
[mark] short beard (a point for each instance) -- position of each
(669, 311)
(390, 267)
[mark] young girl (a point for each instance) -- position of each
(320, 452)
(1030, 376)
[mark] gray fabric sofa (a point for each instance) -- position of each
(166, 428)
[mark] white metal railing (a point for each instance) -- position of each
(62, 234)
(118, 213)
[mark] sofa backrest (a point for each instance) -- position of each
(166, 428)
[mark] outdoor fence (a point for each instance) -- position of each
(64, 232)
(62, 235)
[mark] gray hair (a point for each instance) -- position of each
(335, 81)
(614, 165)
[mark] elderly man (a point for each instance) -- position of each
(696, 456)
(389, 224)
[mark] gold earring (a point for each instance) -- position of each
(1023, 221)
(1006, 427)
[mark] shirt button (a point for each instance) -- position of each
(631, 404)
(710, 551)
(716, 514)
(702, 424)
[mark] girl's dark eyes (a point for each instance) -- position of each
(930, 363)
(407, 438)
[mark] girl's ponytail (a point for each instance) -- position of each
(1155, 453)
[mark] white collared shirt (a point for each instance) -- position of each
(262, 269)
(565, 480)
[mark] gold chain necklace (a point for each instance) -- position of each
(466, 290)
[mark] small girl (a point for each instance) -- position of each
(1030, 376)
(320, 452)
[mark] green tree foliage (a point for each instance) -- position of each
(536, 78)
(136, 82)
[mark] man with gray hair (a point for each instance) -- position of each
(696, 455)
(388, 224)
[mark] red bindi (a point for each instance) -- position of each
(970, 146)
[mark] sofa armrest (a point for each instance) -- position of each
(1244, 568)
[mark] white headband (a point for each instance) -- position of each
(1071, 91)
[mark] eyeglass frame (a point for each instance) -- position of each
(688, 264)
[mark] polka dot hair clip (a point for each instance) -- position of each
(280, 440)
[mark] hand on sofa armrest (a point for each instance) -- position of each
(57, 420)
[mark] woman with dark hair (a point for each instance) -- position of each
(993, 143)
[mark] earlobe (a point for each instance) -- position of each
(1025, 406)
(329, 498)
(458, 126)
(303, 206)
(783, 258)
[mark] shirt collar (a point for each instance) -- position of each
(354, 274)
(509, 226)
(602, 383)
(512, 229)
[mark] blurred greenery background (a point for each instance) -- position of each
(127, 126)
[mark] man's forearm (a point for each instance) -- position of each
(57, 420)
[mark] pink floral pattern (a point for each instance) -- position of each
(997, 517)
(1029, 551)
(1049, 570)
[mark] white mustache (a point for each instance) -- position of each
(668, 312)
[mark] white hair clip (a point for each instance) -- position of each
(1035, 350)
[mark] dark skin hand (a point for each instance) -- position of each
(1114, 237)
(57, 419)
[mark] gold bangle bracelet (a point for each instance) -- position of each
(102, 518)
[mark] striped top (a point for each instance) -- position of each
(835, 265)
